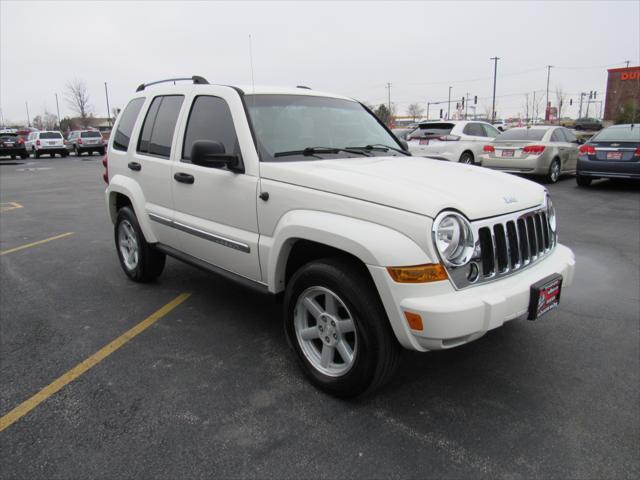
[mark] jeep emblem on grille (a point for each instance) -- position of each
(510, 199)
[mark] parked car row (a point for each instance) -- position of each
(546, 151)
(52, 143)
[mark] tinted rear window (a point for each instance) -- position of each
(90, 134)
(618, 134)
(9, 136)
(522, 134)
(159, 125)
(432, 129)
(50, 135)
(126, 123)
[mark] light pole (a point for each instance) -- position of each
(106, 93)
(58, 110)
(449, 105)
(547, 109)
(495, 73)
(26, 104)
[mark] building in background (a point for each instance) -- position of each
(623, 92)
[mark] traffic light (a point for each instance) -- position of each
(571, 101)
(475, 100)
(594, 94)
(440, 113)
(462, 102)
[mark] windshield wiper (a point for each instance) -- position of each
(311, 151)
(381, 148)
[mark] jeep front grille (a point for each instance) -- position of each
(505, 245)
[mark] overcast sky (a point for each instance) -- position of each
(351, 48)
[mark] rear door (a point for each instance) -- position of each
(475, 138)
(215, 208)
(572, 149)
(559, 142)
(150, 164)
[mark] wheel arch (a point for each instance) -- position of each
(310, 235)
(123, 191)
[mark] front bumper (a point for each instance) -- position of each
(608, 169)
(454, 317)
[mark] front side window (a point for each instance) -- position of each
(292, 123)
(490, 130)
(125, 125)
(159, 125)
(557, 136)
(210, 119)
(569, 136)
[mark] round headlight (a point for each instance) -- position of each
(551, 215)
(454, 239)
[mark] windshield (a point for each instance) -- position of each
(291, 123)
(523, 134)
(618, 134)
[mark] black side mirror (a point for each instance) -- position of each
(210, 153)
(405, 145)
(580, 141)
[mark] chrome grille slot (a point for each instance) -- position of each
(512, 240)
(486, 245)
(501, 252)
(505, 245)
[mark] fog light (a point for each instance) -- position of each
(472, 276)
(414, 320)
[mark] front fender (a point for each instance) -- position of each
(372, 243)
(130, 189)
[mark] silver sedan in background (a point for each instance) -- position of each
(543, 150)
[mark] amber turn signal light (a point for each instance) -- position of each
(431, 272)
(414, 320)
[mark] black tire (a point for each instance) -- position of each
(555, 169)
(37, 154)
(377, 353)
(24, 155)
(150, 262)
(101, 151)
(76, 151)
(64, 154)
(583, 181)
(13, 157)
(466, 157)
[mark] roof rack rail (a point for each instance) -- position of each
(303, 86)
(197, 80)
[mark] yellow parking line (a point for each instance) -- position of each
(28, 405)
(33, 244)
(6, 206)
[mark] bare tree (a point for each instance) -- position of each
(415, 111)
(77, 97)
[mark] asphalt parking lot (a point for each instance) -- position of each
(210, 389)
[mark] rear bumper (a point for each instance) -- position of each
(533, 165)
(12, 150)
(454, 317)
(608, 169)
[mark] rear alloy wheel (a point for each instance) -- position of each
(554, 171)
(139, 260)
(467, 158)
(583, 181)
(336, 324)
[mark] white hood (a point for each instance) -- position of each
(416, 184)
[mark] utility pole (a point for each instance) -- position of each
(58, 110)
(449, 105)
(26, 104)
(495, 73)
(582, 94)
(466, 104)
(533, 107)
(526, 95)
(627, 62)
(106, 93)
(428, 103)
(389, 98)
(547, 110)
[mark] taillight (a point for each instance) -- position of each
(587, 150)
(537, 149)
(637, 152)
(79, 141)
(105, 164)
(38, 142)
(488, 148)
(20, 141)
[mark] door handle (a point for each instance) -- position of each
(135, 166)
(184, 178)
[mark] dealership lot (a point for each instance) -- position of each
(210, 388)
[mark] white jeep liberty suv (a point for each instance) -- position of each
(308, 194)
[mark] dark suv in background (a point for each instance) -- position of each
(12, 144)
(612, 153)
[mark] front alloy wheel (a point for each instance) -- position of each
(325, 331)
